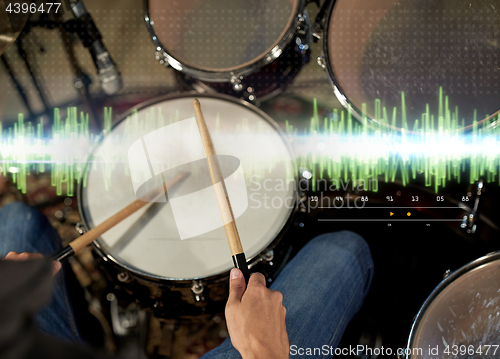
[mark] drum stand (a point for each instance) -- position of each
(19, 88)
(81, 80)
(469, 222)
(130, 324)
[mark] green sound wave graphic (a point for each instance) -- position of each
(434, 147)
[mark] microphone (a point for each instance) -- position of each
(109, 76)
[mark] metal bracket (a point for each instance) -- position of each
(321, 62)
(123, 277)
(80, 228)
(124, 320)
(236, 82)
(303, 35)
(446, 274)
(197, 288)
(161, 58)
(469, 222)
(319, 23)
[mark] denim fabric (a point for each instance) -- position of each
(25, 229)
(323, 286)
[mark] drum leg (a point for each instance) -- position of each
(130, 325)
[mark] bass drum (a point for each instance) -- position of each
(248, 49)
(461, 318)
(428, 60)
(173, 255)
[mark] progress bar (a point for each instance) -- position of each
(387, 220)
(389, 208)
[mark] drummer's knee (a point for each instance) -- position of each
(347, 240)
(25, 229)
(346, 248)
(19, 213)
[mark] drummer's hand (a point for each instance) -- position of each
(14, 256)
(256, 318)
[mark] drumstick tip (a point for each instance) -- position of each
(196, 103)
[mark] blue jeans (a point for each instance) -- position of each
(323, 286)
(25, 229)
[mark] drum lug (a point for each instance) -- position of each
(250, 95)
(317, 32)
(322, 62)
(197, 288)
(236, 82)
(123, 277)
(302, 207)
(446, 274)
(303, 35)
(158, 304)
(305, 176)
(268, 257)
(80, 228)
(469, 222)
(161, 58)
(305, 173)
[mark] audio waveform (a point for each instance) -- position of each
(334, 147)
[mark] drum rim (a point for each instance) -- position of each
(344, 100)
(207, 74)
(493, 256)
(252, 260)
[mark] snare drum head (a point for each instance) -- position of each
(464, 315)
(377, 50)
(221, 35)
(170, 239)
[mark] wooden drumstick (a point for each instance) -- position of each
(219, 186)
(87, 238)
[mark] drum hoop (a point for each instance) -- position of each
(337, 88)
(251, 261)
(341, 96)
(207, 74)
(443, 285)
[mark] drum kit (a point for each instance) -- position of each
(236, 54)
(145, 252)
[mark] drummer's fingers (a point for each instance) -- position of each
(56, 266)
(22, 256)
(237, 286)
(257, 279)
(11, 255)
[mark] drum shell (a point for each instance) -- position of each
(170, 299)
(262, 78)
(225, 76)
(271, 80)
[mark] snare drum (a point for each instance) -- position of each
(173, 255)
(249, 49)
(461, 318)
(377, 51)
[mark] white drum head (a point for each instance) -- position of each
(170, 240)
(221, 35)
(463, 320)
